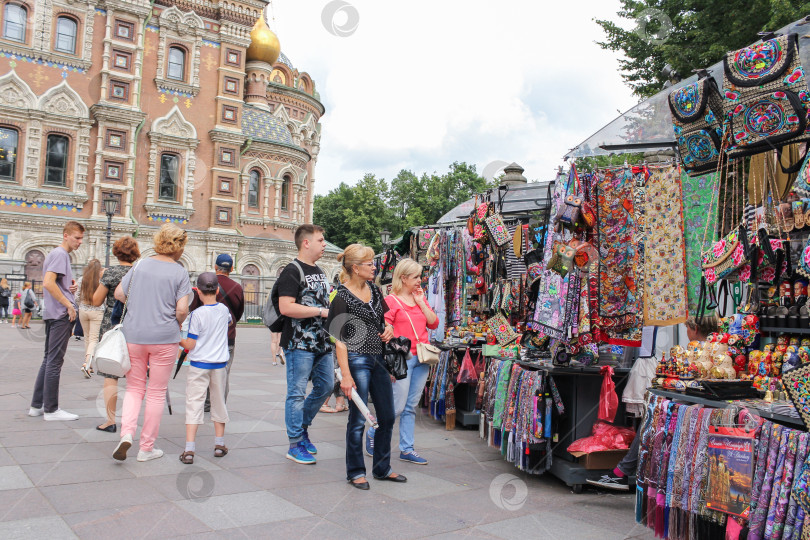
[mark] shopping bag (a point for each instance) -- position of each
(608, 400)
(467, 372)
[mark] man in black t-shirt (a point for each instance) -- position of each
(303, 292)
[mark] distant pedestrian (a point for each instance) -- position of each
(5, 299)
(30, 301)
(156, 307)
(276, 352)
(89, 315)
(127, 252)
(207, 343)
(16, 311)
(59, 315)
(303, 291)
(230, 294)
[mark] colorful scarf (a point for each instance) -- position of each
(619, 304)
(776, 520)
(697, 196)
(665, 301)
(760, 515)
(793, 506)
(500, 393)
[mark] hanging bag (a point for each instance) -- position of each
(697, 110)
(765, 97)
(467, 373)
(111, 355)
(425, 352)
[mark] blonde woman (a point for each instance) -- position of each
(357, 322)
(158, 305)
(5, 298)
(408, 310)
(89, 315)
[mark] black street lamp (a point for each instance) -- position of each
(385, 236)
(110, 208)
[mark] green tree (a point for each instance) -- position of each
(702, 32)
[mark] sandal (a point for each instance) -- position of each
(187, 457)
(327, 409)
(344, 408)
(220, 450)
(86, 371)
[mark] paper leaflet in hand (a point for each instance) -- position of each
(359, 404)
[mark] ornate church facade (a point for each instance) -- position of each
(183, 111)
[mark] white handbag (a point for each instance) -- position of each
(425, 352)
(111, 355)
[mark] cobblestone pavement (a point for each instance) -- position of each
(58, 479)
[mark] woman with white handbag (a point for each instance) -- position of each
(411, 317)
(156, 293)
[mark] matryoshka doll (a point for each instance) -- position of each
(753, 365)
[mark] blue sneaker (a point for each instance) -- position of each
(369, 446)
(299, 454)
(412, 457)
(308, 444)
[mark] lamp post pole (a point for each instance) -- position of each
(110, 208)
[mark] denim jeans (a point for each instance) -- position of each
(406, 397)
(46, 387)
(300, 409)
(370, 376)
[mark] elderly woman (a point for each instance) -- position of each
(356, 321)
(126, 251)
(411, 317)
(156, 292)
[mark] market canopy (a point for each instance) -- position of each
(518, 199)
(648, 125)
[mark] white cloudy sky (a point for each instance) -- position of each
(421, 84)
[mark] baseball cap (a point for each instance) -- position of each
(224, 261)
(207, 283)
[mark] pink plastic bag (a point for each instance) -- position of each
(604, 436)
(608, 400)
(467, 373)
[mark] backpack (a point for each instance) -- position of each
(766, 97)
(696, 112)
(28, 300)
(272, 317)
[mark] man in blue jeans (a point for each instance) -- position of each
(303, 299)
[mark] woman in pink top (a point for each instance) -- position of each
(407, 304)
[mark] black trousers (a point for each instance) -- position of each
(46, 388)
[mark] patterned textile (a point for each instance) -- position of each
(620, 304)
(793, 506)
(500, 393)
(797, 382)
(761, 463)
(760, 515)
(697, 194)
(550, 316)
(776, 526)
(665, 301)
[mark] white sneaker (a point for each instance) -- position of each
(36, 412)
(60, 415)
(120, 452)
(154, 454)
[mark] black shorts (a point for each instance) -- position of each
(26, 310)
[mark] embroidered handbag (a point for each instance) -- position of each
(498, 232)
(797, 384)
(584, 254)
(507, 297)
(562, 259)
(801, 186)
(424, 237)
(726, 255)
(588, 215)
(570, 213)
(482, 212)
(497, 291)
(534, 266)
(697, 110)
(502, 330)
(765, 96)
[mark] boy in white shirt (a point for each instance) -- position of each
(207, 343)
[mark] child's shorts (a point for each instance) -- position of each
(16, 312)
(199, 380)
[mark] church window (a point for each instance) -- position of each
(285, 193)
(56, 160)
(177, 64)
(14, 22)
(66, 30)
(8, 153)
(253, 189)
(169, 170)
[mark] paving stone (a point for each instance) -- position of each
(50, 527)
(197, 484)
(251, 426)
(74, 472)
(17, 504)
(157, 520)
(242, 509)
(169, 464)
(71, 498)
(13, 477)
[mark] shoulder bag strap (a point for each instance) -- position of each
(132, 279)
(409, 318)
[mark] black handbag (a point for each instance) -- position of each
(395, 357)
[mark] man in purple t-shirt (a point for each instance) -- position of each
(59, 316)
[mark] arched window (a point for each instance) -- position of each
(285, 192)
(177, 64)
(8, 153)
(253, 189)
(34, 260)
(56, 160)
(66, 30)
(250, 283)
(14, 22)
(169, 170)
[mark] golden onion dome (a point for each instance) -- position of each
(264, 44)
